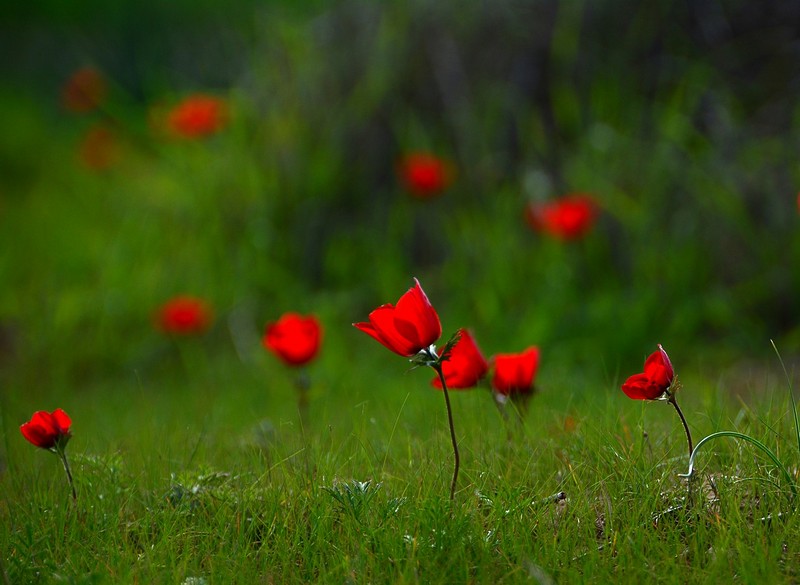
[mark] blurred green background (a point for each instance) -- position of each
(679, 118)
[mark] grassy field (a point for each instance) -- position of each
(257, 158)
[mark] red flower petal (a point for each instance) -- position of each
(514, 373)
(465, 366)
(293, 338)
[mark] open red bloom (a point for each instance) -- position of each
(465, 366)
(407, 328)
(656, 379)
(197, 116)
(294, 338)
(568, 218)
(184, 315)
(48, 430)
(514, 373)
(425, 175)
(84, 90)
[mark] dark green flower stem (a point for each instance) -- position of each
(457, 461)
(674, 403)
(62, 454)
(302, 384)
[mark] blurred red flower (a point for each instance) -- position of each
(197, 116)
(293, 338)
(465, 366)
(408, 328)
(567, 218)
(184, 315)
(99, 148)
(84, 91)
(425, 175)
(514, 373)
(48, 430)
(656, 379)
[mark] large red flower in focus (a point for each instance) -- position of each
(567, 218)
(465, 365)
(293, 338)
(184, 315)
(197, 116)
(656, 379)
(425, 175)
(84, 90)
(514, 373)
(409, 327)
(48, 430)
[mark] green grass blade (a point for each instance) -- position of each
(791, 393)
(749, 439)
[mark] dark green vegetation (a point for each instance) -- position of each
(681, 120)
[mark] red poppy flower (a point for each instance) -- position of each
(294, 338)
(184, 315)
(99, 150)
(656, 379)
(425, 175)
(568, 218)
(48, 430)
(514, 373)
(408, 328)
(465, 366)
(84, 90)
(197, 116)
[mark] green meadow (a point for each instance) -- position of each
(281, 188)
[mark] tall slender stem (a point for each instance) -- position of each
(456, 458)
(63, 456)
(674, 403)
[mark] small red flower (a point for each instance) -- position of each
(197, 116)
(568, 218)
(48, 430)
(425, 175)
(514, 373)
(99, 149)
(84, 91)
(655, 381)
(465, 366)
(294, 338)
(408, 328)
(184, 315)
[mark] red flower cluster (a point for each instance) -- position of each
(197, 116)
(293, 338)
(409, 327)
(465, 365)
(184, 315)
(48, 430)
(655, 381)
(514, 373)
(568, 218)
(425, 175)
(84, 91)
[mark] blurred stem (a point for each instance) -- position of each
(302, 384)
(456, 459)
(674, 403)
(62, 454)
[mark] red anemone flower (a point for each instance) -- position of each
(48, 430)
(409, 327)
(514, 373)
(465, 366)
(184, 315)
(568, 218)
(656, 379)
(197, 116)
(425, 175)
(84, 91)
(293, 338)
